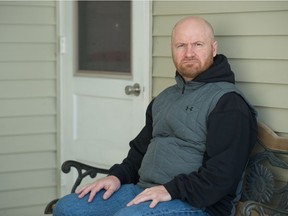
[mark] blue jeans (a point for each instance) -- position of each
(71, 205)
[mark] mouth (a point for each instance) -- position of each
(190, 62)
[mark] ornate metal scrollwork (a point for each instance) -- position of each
(83, 171)
(260, 189)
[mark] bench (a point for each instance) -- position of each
(265, 187)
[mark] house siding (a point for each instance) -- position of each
(28, 106)
(252, 34)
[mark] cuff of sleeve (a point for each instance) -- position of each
(115, 170)
(172, 189)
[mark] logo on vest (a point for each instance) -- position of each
(189, 108)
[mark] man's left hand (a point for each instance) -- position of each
(156, 194)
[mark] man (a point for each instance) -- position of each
(190, 156)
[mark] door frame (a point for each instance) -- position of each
(66, 75)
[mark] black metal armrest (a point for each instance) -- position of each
(50, 206)
(83, 171)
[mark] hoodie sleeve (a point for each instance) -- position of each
(231, 135)
(127, 171)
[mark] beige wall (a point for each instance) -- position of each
(28, 106)
(252, 34)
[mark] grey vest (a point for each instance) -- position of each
(179, 131)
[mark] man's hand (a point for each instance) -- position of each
(109, 183)
(156, 194)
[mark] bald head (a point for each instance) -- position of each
(195, 22)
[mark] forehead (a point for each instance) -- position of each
(192, 30)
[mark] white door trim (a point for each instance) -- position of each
(147, 48)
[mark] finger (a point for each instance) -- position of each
(86, 190)
(132, 202)
(93, 192)
(138, 199)
(82, 192)
(79, 190)
(108, 193)
(153, 203)
(143, 196)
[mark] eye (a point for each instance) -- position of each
(180, 45)
(199, 44)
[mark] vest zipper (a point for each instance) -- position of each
(183, 89)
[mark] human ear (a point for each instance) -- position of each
(215, 48)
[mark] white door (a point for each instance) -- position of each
(98, 119)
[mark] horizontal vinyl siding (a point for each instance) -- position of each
(28, 101)
(27, 107)
(33, 178)
(27, 70)
(26, 197)
(253, 35)
(28, 143)
(23, 211)
(26, 89)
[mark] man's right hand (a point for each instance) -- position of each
(109, 183)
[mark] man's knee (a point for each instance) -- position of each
(65, 206)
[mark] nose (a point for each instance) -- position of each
(190, 51)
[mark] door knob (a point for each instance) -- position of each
(135, 89)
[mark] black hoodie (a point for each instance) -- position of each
(231, 135)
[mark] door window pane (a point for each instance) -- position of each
(104, 37)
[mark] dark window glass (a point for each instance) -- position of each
(104, 36)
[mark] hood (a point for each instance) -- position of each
(220, 71)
